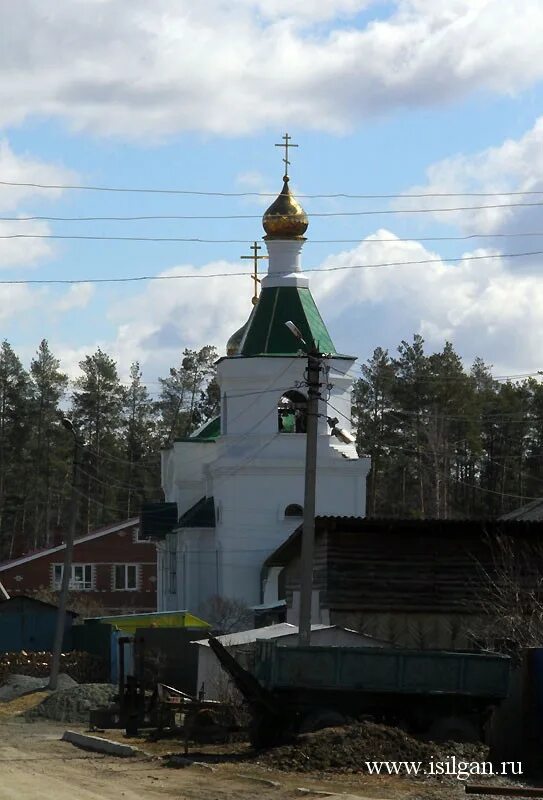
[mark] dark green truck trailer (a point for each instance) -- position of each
(444, 694)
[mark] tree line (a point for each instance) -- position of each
(446, 441)
(121, 426)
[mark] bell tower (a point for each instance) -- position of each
(251, 476)
(259, 471)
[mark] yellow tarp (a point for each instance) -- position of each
(158, 619)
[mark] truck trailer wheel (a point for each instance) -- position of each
(455, 729)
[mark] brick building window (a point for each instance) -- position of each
(80, 580)
(125, 577)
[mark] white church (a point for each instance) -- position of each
(238, 482)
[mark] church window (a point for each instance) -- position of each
(292, 413)
(294, 510)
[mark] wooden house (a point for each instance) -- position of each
(420, 583)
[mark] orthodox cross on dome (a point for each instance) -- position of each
(255, 259)
(286, 143)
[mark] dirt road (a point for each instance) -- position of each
(36, 765)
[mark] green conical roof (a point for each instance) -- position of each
(267, 333)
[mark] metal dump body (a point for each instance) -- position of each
(383, 670)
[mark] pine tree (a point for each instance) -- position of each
(15, 434)
(48, 388)
(376, 426)
(142, 471)
(97, 405)
(180, 393)
(410, 397)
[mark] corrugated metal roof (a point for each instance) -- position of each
(530, 512)
(268, 632)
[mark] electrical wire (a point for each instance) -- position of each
(362, 213)
(198, 240)
(141, 278)
(146, 190)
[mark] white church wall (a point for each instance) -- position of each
(253, 497)
(183, 477)
(198, 561)
(253, 387)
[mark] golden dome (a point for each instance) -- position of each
(285, 218)
(232, 345)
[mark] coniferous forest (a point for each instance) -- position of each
(445, 440)
(122, 426)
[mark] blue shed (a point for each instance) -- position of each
(29, 624)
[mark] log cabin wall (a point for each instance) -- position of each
(416, 583)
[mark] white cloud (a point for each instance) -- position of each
(20, 244)
(16, 301)
(153, 327)
(77, 296)
(514, 166)
(22, 168)
(23, 252)
(480, 305)
(151, 69)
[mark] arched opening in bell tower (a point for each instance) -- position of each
(292, 413)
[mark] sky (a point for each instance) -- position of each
(437, 98)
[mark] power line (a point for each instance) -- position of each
(192, 192)
(199, 240)
(465, 378)
(140, 278)
(365, 213)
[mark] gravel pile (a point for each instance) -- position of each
(18, 685)
(347, 749)
(73, 704)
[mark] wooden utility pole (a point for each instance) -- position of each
(68, 555)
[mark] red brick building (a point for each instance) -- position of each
(111, 566)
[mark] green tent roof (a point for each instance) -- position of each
(210, 432)
(267, 333)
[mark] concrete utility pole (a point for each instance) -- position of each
(314, 362)
(68, 554)
(314, 359)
